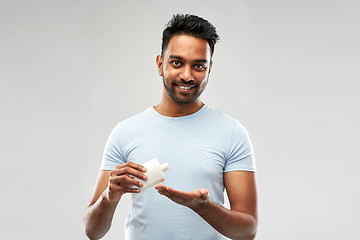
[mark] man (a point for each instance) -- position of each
(206, 150)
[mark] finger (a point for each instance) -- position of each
(160, 186)
(131, 190)
(204, 194)
(132, 165)
(168, 194)
(172, 193)
(124, 189)
(175, 196)
(125, 181)
(175, 192)
(128, 170)
(162, 189)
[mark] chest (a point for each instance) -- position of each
(196, 158)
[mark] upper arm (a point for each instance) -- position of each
(241, 190)
(100, 185)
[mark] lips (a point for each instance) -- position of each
(188, 87)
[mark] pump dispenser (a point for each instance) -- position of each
(154, 173)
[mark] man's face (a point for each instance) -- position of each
(185, 67)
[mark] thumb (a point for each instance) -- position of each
(204, 194)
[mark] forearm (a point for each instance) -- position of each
(98, 217)
(233, 224)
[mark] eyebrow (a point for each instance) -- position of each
(180, 58)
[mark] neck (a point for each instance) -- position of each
(174, 109)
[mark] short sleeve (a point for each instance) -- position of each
(240, 155)
(112, 155)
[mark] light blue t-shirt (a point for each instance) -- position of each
(199, 148)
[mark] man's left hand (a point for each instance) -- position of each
(194, 199)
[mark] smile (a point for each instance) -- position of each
(186, 87)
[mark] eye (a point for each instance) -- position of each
(175, 63)
(200, 67)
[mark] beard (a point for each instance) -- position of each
(183, 98)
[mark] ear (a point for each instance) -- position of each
(159, 64)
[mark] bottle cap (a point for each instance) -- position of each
(164, 167)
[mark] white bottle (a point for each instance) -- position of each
(154, 173)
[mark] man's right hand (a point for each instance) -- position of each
(109, 188)
(122, 180)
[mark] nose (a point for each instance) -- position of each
(186, 74)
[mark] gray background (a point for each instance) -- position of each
(288, 70)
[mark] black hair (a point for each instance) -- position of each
(191, 25)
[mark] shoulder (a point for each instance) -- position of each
(224, 123)
(220, 117)
(134, 122)
(141, 117)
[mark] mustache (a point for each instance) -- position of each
(185, 84)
